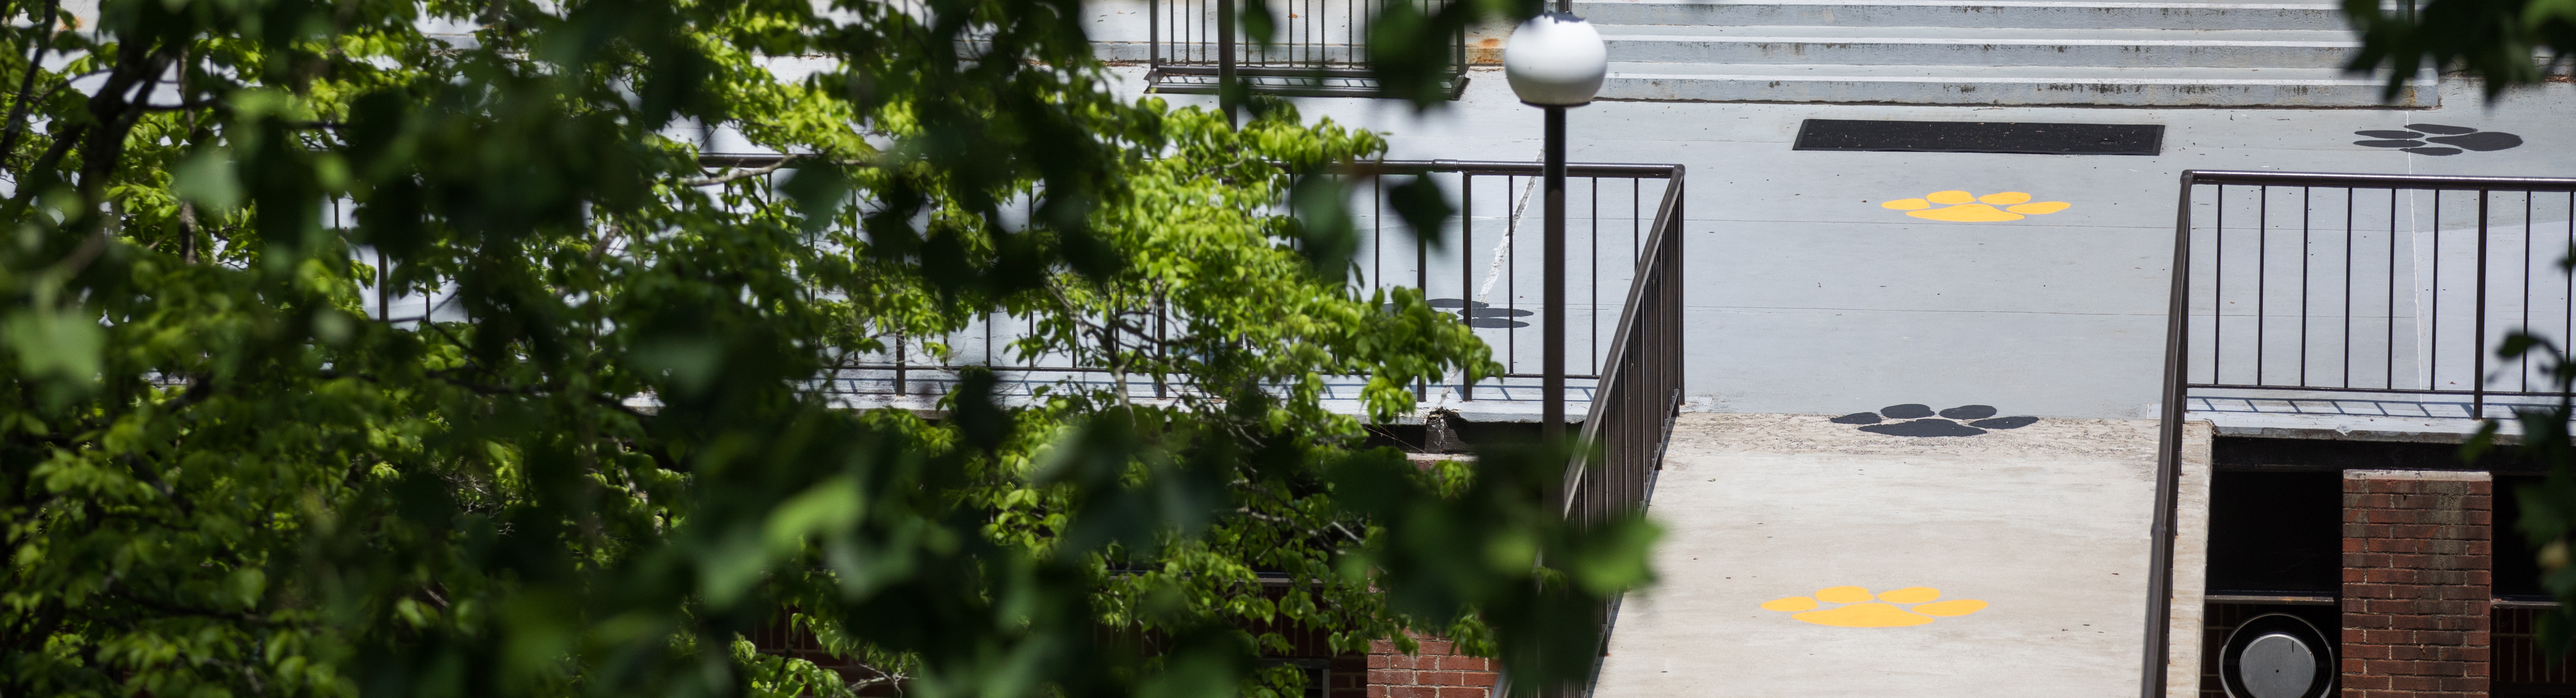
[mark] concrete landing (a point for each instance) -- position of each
(2047, 524)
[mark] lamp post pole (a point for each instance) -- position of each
(1554, 61)
(1552, 295)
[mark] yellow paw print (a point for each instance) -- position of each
(1874, 615)
(1963, 207)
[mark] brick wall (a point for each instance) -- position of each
(2416, 587)
(1437, 671)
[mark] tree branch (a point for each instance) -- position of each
(741, 174)
(35, 59)
(175, 609)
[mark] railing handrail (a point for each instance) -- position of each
(1532, 168)
(2377, 181)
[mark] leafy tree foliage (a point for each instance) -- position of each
(224, 471)
(2504, 43)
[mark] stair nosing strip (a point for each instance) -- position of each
(2033, 81)
(1973, 42)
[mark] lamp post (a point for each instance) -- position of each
(1554, 61)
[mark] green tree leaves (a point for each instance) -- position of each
(2496, 40)
(609, 452)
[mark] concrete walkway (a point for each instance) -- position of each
(2046, 524)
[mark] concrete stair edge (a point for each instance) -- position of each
(2143, 90)
(1902, 13)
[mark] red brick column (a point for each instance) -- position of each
(2416, 583)
(1437, 671)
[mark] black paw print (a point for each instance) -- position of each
(1483, 314)
(1979, 418)
(2413, 141)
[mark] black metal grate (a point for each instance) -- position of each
(1981, 137)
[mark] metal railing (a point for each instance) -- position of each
(2353, 294)
(1320, 48)
(2328, 289)
(1640, 388)
(1630, 421)
(1485, 267)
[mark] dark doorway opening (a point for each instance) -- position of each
(2276, 533)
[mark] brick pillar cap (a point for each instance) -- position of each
(2463, 475)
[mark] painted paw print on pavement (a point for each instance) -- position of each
(1920, 422)
(2415, 141)
(1865, 610)
(1963, 207)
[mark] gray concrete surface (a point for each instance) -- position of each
(2046, 523)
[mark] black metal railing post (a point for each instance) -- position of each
(2478, 345)
(1551, 426)
(1227, 87)
(1467, 264)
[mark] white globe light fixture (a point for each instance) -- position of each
(1554, 61)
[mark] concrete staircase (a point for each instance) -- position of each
(2184, 54)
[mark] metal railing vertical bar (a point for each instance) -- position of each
(2478, 352)
(1422, 282)
(1467, 265)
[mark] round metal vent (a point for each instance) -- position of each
(2276, 655)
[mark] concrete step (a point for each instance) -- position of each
(1970, 13)
(1959, 46)
(2007, 85)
